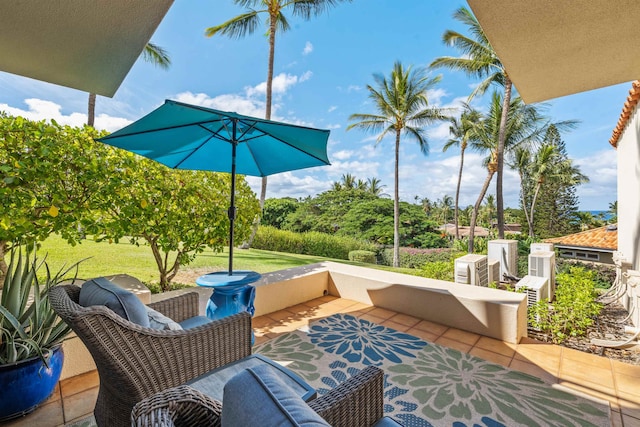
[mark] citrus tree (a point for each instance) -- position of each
(48, 175)
(178, 213)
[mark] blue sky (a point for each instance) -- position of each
(322, 67)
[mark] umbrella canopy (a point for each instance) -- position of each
(183, 136)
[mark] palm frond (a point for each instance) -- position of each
(238, 26)
(156, 55)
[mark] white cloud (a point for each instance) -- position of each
(290, 184)
(280, 84)
(332, 108)
(601, 168)
(333, 126)
(435, 96)
(357, 168)
(342, 154)
(354, 88)
(227, 102)
(39, 109)
(308, 48)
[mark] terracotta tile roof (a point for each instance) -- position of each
(601, 238)
(629, 106)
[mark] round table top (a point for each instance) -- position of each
(223, 278)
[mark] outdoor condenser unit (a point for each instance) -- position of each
(506, 252)
(543, 264)
(494, 271)
(472, 270)
(537, 289)
(541, 247)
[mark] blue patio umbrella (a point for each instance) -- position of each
(183, 136)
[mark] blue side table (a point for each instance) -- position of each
(231, 293)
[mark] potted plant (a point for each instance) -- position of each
(31, 335)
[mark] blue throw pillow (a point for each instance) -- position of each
(158, 320)
(100, 291)
(257, 397)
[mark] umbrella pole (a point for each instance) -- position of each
(232, 209)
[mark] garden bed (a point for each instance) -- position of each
(607, 326)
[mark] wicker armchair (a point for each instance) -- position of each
(356, 402)
(135, 362)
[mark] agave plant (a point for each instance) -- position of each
(29, 326)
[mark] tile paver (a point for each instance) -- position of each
(585, 374)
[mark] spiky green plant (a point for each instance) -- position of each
(28, 324)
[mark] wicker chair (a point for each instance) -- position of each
(135, 362)
(356, 402)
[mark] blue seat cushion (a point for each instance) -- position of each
(386, 422)
(100, 291)
(193, 322)
(257, 397)
(158, 320)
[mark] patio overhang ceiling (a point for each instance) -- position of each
(86, 45)
(554, 48)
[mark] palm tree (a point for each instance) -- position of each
(461, 129)
(403, 108)
(478, 59)
(375, 187)
(613, 211)
(276, 21)
(152, 53)
(348, 181)
(489, 208)
(445, 204)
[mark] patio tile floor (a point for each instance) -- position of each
(585, 374)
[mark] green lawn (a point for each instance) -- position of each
(115, 258)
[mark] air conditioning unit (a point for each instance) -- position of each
(506, 252)
(472, 270)
(543, 264)
(536, 288)
(541, 247)
(494, 271)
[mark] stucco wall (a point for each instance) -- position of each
(629, 205)
(629, 191)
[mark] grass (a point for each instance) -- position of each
(103, 259)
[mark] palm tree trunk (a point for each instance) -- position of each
(463, 146)
(267, 115)
(476, 208)
(506, 102)
(533, 206)
(91, 113)
(396, 206)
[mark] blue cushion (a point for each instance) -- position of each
(386, 422)
(257, 397)
(158, 320)
(192, 322)
(100, 291)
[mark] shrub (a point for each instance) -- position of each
(309, 243)
(574, 308)
(416, 258)
(363, 256)
(480, 245)
(440, 270)
(605, 275)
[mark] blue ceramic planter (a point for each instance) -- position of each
(26, 384)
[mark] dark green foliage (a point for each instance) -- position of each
(275, 211)
(431, 240)
(574, 308)
(557, 202)
(604, 275)
(417, 258)
(363, 256)
(309, 243)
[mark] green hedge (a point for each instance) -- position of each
(416, 258)
(363, 256)
(309, 243)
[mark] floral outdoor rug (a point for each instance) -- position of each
(427, 384)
